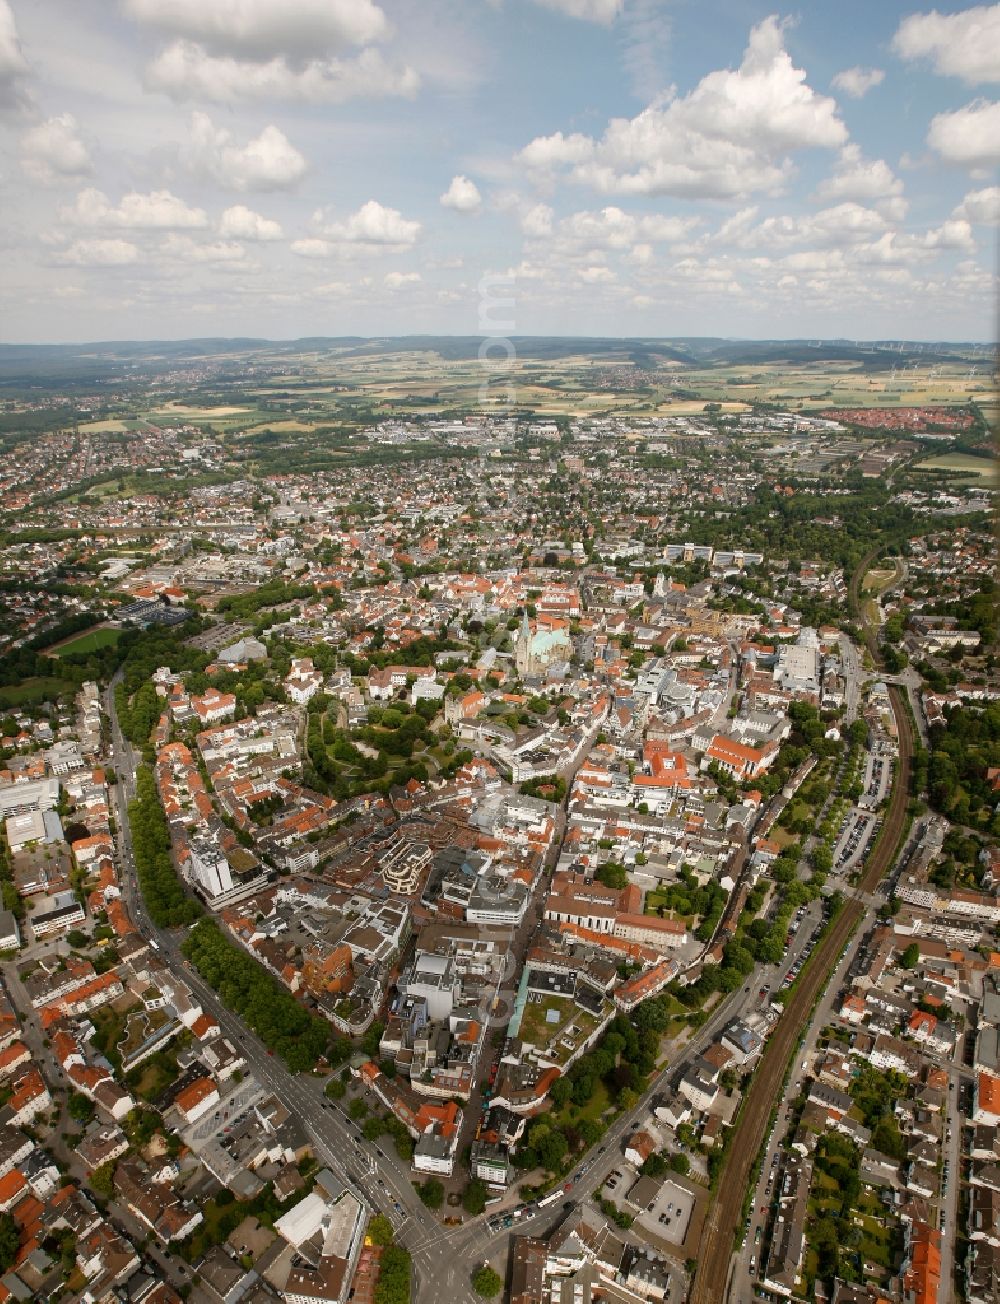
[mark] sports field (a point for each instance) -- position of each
(89, 641)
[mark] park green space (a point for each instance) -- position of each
(31, 691)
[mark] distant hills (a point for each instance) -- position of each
(22, 364)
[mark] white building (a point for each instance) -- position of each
(433, 979)
(329, 1230)
(797, 670)
(304, 682)
(210, 869)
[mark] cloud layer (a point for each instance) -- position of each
(360, 166)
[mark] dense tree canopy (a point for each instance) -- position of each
(167, 902)
(273, 1013)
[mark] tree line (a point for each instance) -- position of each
(168, 904)
(282, 1024)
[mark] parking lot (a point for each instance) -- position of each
(878, 773)
(231, 1110)
(855, 839)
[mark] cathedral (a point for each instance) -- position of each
(540, 648)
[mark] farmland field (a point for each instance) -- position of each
(961, 462)
(111, 424)
(195, 413)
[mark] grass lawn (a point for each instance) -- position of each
(35, 690)
(110, 1022)
(597, 1103)
(870, 1204)
(657, 898)
(826, 1204)
(810, 1265)
(89, 641)
(782, 838)
(534, 1024)
(153, 1078)
(593, 1109)
(797, 809)
(535, 1029)
(878, 1252)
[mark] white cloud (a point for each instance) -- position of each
(955, 233)
(844, 224)
(395, 280)
(590, 11)
(261, 28)
(857, 82)
(906, 248)
(981, 207)
(312, 247)
(735, 228)
(730, 136)
(596, 275)
(53, 151)
(186, 71)
(241, 223)
(616, 229)
(964, 45)
(557, 150)
(267, 162)
(13, 65)
(98, 253)
(969, 136)
(537, 221)
(871, 180)
(374, 225)
(157, 210)
(182, 247)
(331, 290)
(462, 195)
(644, 38)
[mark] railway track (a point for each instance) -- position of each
(719, 1235)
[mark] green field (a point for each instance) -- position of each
(34, 690)
(961, 462)
(89, 641)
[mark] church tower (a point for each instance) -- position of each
(523, 660)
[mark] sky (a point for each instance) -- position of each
(281, 168)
